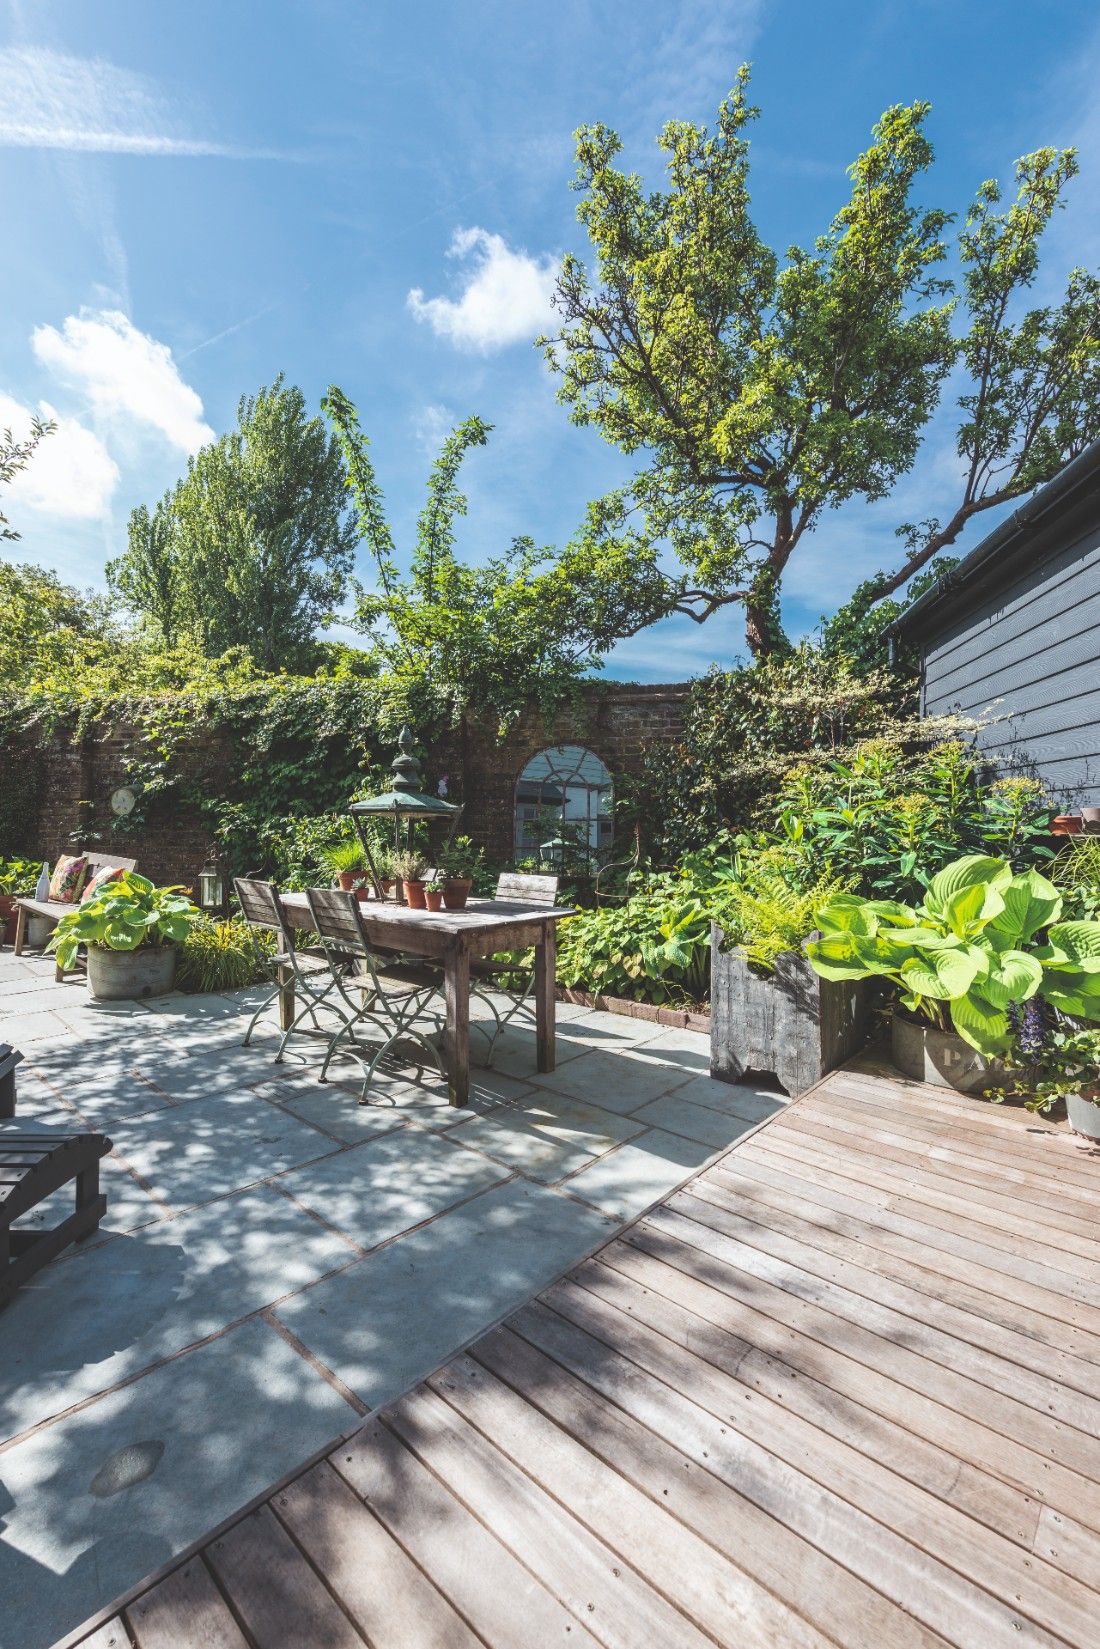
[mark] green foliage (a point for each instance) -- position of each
(855, 634)
(462, 858)
(764, 915)
(222, 956)
(452, 638)
(1070, 1064)
(764, 392)
(346, 857)
(891, 816)
(15, 456)
(252, 548)
(969, 951)
(126, 914)
(1076, 874)
(18, 877)
(743, 729)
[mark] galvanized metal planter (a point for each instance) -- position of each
(126, 975)
(790, 1024)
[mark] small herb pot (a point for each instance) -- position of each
(456, 891)
(433, 898)
(1084, 1115)
(363, 892)
(414, 895)
(1066, 824)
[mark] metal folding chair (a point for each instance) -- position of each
(513, 980)
(392, 996)
(314, 984)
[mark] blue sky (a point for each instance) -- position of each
(197, 196)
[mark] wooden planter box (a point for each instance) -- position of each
(790, 1024)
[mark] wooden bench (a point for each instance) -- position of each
(53, 909)
(33, 1165)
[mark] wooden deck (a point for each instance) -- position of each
(843, 1388)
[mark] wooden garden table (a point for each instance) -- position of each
(452, 938)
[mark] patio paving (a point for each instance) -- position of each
(278, 1261)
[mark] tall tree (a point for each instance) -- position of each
(15, 456)
(454, 637)
(761, 392)
(254, 546)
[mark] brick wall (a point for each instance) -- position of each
(617, 721)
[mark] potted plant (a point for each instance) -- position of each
(1062, 1062)
(460, 862)
(409, 869)
(433, 893)
(17, 880)
(1066, 824)
(348, 863)
(770, 1012)
(131, 930)
(959, 961)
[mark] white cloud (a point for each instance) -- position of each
(679, 73)
(70, 473)
(49, 100)
(124, 373)
(506, 299)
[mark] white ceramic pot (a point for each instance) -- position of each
(944, 1059)
(1084, 1115)
(124, 975)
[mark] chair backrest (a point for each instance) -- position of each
(100, 861)
(337, 920)
(260, 903)
(527, 890)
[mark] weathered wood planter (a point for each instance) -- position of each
(790, 1024)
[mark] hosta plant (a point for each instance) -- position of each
(981, 942)
(127, 913)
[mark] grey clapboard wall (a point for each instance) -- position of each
(1028, 654)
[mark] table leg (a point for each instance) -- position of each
(546, 955)
(285, 977)
(457, 992)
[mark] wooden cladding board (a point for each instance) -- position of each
(1028, 654)
(843, 1387)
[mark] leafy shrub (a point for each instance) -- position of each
(18, 877)
(222, 956)
(969, 952)
(764, 915)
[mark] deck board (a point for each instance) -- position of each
(839, 1388)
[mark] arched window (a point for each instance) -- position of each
(563, 795)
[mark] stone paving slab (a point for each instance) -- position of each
(629, 1179)
(100, 1315)
(385, 1186)
(113, 1491)
(701, 1122)
(547, 1139)
(192, 1153)
(393, 1316)
(613, 1080)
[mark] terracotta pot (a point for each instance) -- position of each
(387, 887)
(347, 879)
(433, 898)
(1066, 824)
(364, 893)
(456, 892)
(414, 895)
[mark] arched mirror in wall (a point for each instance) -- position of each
(563, 796)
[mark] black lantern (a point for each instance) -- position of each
(211, 887)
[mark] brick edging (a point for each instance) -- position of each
(684, 1019)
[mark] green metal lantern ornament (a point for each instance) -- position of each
(404, 802)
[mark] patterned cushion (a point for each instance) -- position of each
(98, 881)
(68, 875)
